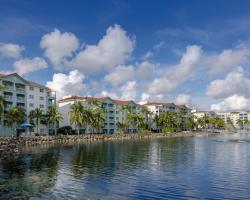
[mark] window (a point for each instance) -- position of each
(41, 90)
(41, 98)
(31, 105)
(41, 106)
(31, 88)
(31, 96)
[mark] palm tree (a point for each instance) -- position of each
(169, 119)
(240, 123)
(157, 122)
(54, 117)
(121, 126)
(37, 114)
(191, 122)
(76, 115)
(97, 118)
(147, 115)
(15, 116)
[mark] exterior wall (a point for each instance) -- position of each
(114, 114)
(17, 93)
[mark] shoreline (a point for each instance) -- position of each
(12, 146)
(55, 139)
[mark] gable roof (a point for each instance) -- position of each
(123, 102)
(31, 83)
(12, 74)
(26, 81)
(74, 98)
(158, 104)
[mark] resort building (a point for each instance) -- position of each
(159, 107)
(114, 112)
(201, 113)
(24, 94)
(235, 116)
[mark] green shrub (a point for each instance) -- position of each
(66, 130)
(168, 130)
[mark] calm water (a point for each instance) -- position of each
(177, 168)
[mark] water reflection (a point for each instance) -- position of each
(176, 168)
(29, 174)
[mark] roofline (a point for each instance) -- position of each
(27, 81)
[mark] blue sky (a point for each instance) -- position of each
(193, 52)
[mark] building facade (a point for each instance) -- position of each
(235, 116)
(114, 112)
(24, 94)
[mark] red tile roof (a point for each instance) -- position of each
(74, 98)
(158, 104)
(121, 102)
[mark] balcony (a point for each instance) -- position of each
(21, 106)
(8, 88)
(20, 99)
(7, 107)
(7, 97)
(20, 90)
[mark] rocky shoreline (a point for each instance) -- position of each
(12, 146)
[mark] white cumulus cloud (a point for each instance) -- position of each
(177, 74)
(113, 49)
(129, 91)
(234, 102)
(67, 84)
(59, 45)
(234, 83)
(26, 65)
(10, 50)
(227, 59)
(183, 99)
(120, 75)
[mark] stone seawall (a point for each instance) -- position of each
(11, 146)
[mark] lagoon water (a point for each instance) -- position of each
(215, 167)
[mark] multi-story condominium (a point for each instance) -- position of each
(114, 112)
(234, 116)
(224, 116)
(159, 107)
(201, 113)
(24, 94)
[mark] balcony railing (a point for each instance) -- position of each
(20, 99)
(22, 90)
(8, 88)
(7, 107)
(7, 98)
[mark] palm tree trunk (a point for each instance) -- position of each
(55, 131)
(37, 126)
(78, 130)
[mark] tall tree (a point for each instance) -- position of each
(37, 114)
(240, 123)
(96, 115)
(15, 116)
(77, 115)
(147, 114)
(54, 117)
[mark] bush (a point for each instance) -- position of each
(168, 130)
(66, 130)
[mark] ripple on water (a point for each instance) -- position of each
(176, 168)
